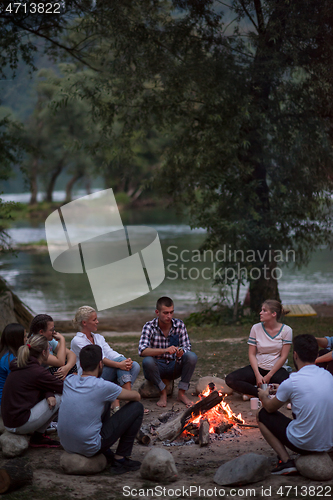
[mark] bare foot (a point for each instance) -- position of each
(162, 402)
(184, 399)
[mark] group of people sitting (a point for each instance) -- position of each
(39, 376)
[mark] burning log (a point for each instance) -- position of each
(223, 427)
(171, 430)
(204, 433)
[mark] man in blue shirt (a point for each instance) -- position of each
(85, 425)
(309, 391)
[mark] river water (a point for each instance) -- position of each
(188, 275)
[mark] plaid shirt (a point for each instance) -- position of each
(152, 336)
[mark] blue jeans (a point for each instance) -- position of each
(121, 377)
(155, 369)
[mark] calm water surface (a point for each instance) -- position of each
(44, 290)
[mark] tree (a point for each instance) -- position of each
(252, 156)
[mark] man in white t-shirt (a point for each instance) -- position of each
(85, 425)
(309, 390)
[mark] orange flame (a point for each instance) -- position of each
(216, 415)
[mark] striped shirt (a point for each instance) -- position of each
(269, 348)
(152, 336)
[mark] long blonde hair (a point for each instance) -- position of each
(82, 314)
(36, 345)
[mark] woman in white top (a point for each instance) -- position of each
(117, 368)
(269, 346)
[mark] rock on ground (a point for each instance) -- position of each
(159, 465)
(149, 390)
(219, 383)
(13, 445)
(72, 463)
(2, 427)
(246, 469)
(318, 466)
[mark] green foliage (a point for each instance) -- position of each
(244, 106)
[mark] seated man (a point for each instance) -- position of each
(85, 425)
(325, 355)
(60, 360)
(309, 391)
(166, 349)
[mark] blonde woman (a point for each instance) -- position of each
(116, 368)
(269, 346)
(31, 394)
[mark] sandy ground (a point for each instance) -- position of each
(196, 466)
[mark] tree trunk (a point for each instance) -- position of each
(33, 182)
(21, 311)
(69, 186)
(265, 287)
(55, 174)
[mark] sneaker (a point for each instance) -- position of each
(43, 441)
(52, 427)
(125, 465)
(284, 468)
(289, 406)
(246, 397)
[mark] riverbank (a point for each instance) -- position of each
(133, 322)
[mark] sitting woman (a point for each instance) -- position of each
(269, 346)
(13, 336)
(60, 360)
(31, 395)
(325, 355)
(116, 368)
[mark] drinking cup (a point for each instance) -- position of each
(255, 403)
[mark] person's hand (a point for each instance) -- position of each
(179, 352)
(259, 380)
(51, 401)
(273, 388)
(129, 364)
(57, 336)
(126, 364)
(62, 372)
(263, 393)
(267, 378)
(171, 349)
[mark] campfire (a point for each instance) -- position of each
(210, 415)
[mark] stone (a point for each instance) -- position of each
(318, 466)
(2, 427)
(149, 390)
(245, 469)
(159, 465)
(219, 383)
(73, 463)
(13, 445)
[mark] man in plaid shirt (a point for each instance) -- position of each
(166, 349)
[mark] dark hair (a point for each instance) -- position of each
(90, 356)
(306, 347)
(39, 323)
(11, 339)
(164, 301)
(36, 345)
(274, 306)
